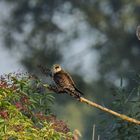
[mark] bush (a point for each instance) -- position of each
(25, 110)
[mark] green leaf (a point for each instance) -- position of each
(1, 120)
(5, 128)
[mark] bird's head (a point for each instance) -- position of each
(56, 68)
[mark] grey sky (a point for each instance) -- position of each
(8, 63)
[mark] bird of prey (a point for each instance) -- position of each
(64, 81)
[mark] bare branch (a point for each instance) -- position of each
(122, 116)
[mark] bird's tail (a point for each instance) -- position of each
(79, 91)
(74, 93)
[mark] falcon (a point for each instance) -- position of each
(64, 81)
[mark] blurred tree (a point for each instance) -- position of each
(43, 31)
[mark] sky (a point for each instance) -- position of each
(8, 62)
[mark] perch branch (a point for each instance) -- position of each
(122, 116)
(93, 104)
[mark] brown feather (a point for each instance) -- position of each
(64, 81)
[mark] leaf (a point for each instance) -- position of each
(33, 101)
(1, 120)
(5, 128)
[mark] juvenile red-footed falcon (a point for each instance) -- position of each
(64, 81)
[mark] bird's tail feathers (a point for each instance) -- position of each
(74, 93)
(79, 91)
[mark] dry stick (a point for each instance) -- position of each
(122, 116)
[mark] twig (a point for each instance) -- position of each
(138, 32)
(93, 133)
(98, 137)
(122, 116)
(45, 70)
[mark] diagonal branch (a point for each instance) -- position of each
(93, 104)
(122, 116)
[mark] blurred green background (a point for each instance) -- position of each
(92, 39)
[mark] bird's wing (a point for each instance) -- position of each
(63, 80)
(73, 84)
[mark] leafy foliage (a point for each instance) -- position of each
(127, 103)
(25, 110)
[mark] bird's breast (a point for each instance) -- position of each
(62, 80)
